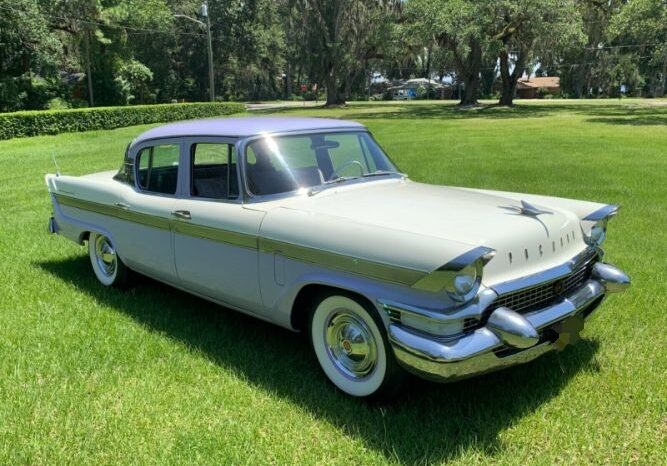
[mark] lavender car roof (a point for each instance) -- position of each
(243, 127)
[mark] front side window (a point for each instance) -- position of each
(288, 163)
(214, 174)
(157, 168)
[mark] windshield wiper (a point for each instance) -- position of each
(321, 187)
(340, 179)
(317, 189)
(382, 173)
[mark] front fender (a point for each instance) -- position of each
(296, 275)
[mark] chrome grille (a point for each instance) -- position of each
(546, 294)
(469, 324)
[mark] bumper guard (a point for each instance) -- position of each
(525, 336)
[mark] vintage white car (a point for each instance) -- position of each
(306, 223)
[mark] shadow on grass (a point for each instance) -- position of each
(607, 113)
(430, 423)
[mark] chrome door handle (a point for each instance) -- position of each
(185, 214)
(122, 205)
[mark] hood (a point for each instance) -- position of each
(524, 243)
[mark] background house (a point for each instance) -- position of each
(533, 88)
(418, 88)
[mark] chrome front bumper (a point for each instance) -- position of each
(507, 338)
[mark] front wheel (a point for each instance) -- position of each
(352, 348)
(107, 266)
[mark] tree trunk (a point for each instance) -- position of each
(470, 68)
(348, 86)
(509, 80)
(89, 73)
(334, 96)
(663, 83)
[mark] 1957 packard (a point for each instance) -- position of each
(306, 223)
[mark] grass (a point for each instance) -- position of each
(153, 375)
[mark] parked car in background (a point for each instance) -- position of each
(308, 224)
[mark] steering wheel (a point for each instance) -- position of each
(335, 174)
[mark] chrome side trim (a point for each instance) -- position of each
(607, 211)
(349, 264)
(215, 234)
(113, 211)
(186, 228)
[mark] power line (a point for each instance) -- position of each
(109, 25)
(619, 46)
(488, 68)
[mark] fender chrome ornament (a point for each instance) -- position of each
(527, 209)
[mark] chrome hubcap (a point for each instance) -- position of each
(105, 255)
(350, 344)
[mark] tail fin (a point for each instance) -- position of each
(53, 155)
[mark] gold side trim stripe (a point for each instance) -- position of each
(190, 229)
(113, 211)
(215, 234)
(389, 273)
(349, 264)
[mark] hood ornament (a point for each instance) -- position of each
(527, 209)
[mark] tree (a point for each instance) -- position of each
(644, 22)
(341, 36)
(28, 50)
(460, 26)
(524, 30)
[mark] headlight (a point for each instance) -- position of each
(597, 233)
(464, 283)
(461, 277)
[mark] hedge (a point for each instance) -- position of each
(35, 123)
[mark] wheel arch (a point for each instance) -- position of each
(303, 303)
(84, 236)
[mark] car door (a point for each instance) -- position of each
(215, 236)
(146, 237)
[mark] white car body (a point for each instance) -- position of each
(386, 239)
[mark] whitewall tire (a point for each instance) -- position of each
(351, 346)
(107, 266)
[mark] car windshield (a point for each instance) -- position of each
(280, 164)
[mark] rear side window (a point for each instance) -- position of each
(157, 168)
(214, 174)
(126, 172)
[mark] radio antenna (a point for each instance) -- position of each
(53, 155)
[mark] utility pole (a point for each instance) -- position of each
(203, 11)
(89, 72)
(211, 83)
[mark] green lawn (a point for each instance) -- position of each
(91, 375)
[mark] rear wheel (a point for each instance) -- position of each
(107, 266)
(351, 346)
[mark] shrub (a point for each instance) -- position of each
(57, 103)
(35, 123)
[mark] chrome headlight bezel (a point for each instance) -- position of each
(597, 233)
(463, 284)
(594, 225)
(461, 277)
